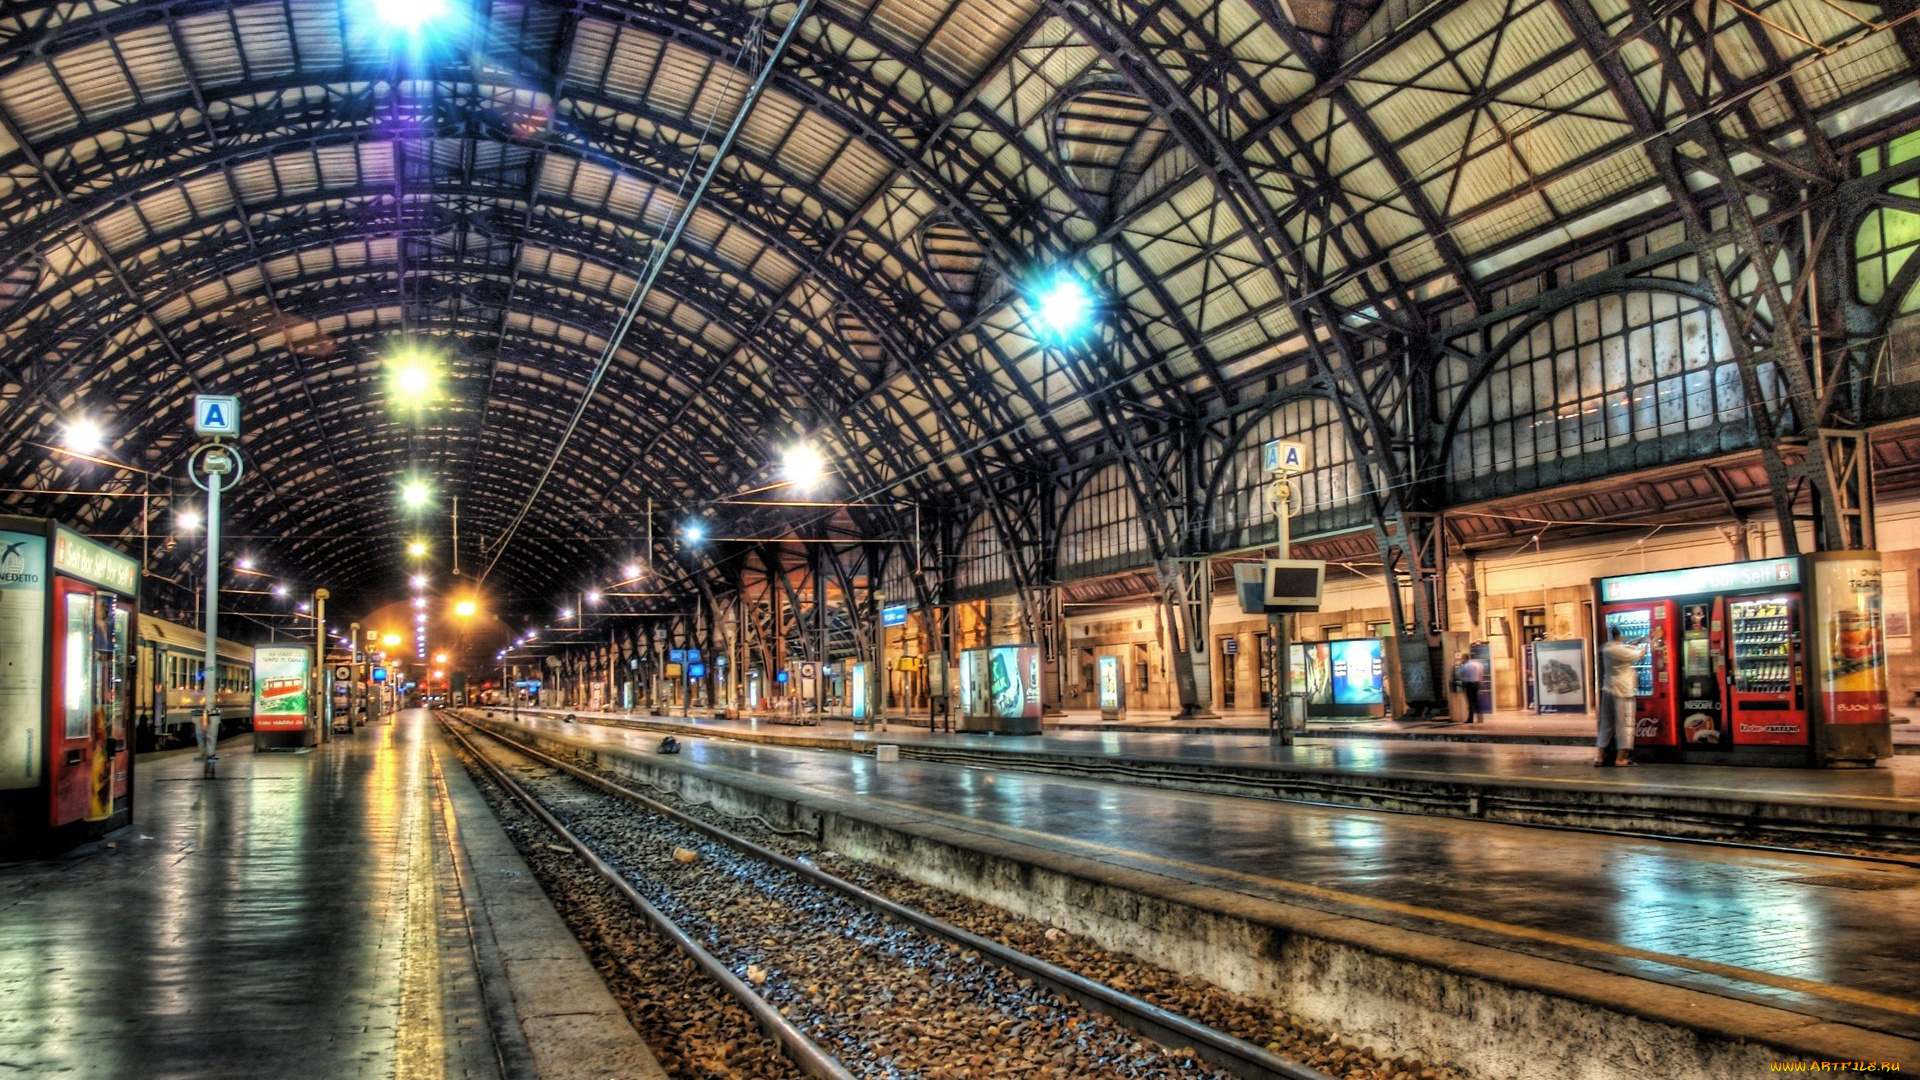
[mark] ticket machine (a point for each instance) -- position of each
(1775, 661)
(67, 610)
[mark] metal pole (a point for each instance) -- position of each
(209, 708)
(324, 706)
(1280, 629)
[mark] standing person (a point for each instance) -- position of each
(1617, 693)
(1470, 673)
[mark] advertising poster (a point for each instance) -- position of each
(1108, 676)
(936, 667)
(1310, 672)
(280, 687)
(1014, 681)
(1359, 671)
(970, 699)
(857, 691)
(23, 606)
(1559, 676)
(1849, 643)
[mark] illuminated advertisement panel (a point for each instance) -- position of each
(280, 687)
(857, 691)
(1001, 682)
(1359, 671)
(1109, 682)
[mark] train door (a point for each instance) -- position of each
(83, 767)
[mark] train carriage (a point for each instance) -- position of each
(168, 697)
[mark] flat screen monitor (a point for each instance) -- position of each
(1294, 584)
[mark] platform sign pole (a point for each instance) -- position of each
(323, 692)
(1283, 459)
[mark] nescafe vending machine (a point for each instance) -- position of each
(67, 606)
(1771, 662)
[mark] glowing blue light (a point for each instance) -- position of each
(693, 532)
(1063, 306)
(408, 15)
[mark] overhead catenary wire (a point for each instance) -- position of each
(658, 254)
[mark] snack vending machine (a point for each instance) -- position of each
(1774, 661)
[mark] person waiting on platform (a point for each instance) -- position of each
(1618, 689)
(1469, 673)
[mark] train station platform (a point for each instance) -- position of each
(349, 911)
(1533, 952)
(1517, 782)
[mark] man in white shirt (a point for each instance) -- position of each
(1470, 673)
(1618, 689)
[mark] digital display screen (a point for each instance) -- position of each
(1359, 671)
(1293, 581)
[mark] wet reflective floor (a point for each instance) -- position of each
(284, 919)
(1827, 937)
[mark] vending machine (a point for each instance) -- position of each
(67, 610)
(1775, 661)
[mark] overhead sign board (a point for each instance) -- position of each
(217, 415)
(1759, 574)
(80, 557)
(379, 674)
(1284, 456)
(893, 615)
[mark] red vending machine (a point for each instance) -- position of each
(67, 606)
(1774, 661)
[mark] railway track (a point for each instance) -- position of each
(848, 983)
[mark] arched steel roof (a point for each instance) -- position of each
(268, 198)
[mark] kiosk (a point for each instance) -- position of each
(1770, 662)
(67, 609)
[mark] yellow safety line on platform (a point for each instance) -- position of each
(420, 1045)
(1865, 998)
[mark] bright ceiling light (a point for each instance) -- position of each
(417, 548)
(243, 563)
(531, 635)
(693, 532)
(279, 590)
(408, 15)
(302, 606)
(419, 601)
(419, 581)
(631, 570)
(593, 596)
(439, 658)
(566, 613)
(187, 520)
(84, 436)
(1063, 306)
(390, 640)
(465, 607)
(802, 466)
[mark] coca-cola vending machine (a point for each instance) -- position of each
(1774, 661)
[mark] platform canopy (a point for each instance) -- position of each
(448, 240)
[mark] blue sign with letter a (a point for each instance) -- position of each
(216, 414)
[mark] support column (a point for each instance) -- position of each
(1187, 586)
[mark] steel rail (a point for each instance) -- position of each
(1169, 1029)
(806, 1054)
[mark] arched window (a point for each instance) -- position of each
(1103, 530)
(1606, 371)
(983, 566)
(1326, 496)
